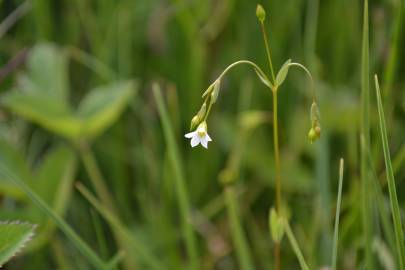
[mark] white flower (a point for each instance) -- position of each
(198, 136)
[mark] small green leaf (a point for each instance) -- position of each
(263, 79)
(47, 111)
(282, 73)
(103, 105)
(13, 237)
(47, 72)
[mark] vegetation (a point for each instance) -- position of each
(96, 96)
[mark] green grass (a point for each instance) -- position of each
(135, 195)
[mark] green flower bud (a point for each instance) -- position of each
(312, 135)
(201, 113)
(194, 122)
(260, 13)
(318, 131)
(215, 91)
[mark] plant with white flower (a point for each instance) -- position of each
(198, 125)
(199, 136)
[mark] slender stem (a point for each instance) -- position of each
(242, 62)
(95, 175)
(295, 246)
(266, 43)
(337, 215)
(277, 259)
(367, 203)
(238, 236)
(276, 151)
(179, 182)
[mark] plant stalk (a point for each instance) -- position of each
(277, 260)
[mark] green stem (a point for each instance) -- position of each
(238, 236)
(365, 133)
(102, 191)
(95, 175)
(337, 215)
(179, 181)
(276, 151)
(277, 256)
(295, 246)
(243, 62)
(266, 43)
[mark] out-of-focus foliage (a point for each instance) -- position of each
(69, 74)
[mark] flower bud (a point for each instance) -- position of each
(215, 91)
(201, 113)
(318, 131)
(194, 122)
(260, 13)
(312, 135)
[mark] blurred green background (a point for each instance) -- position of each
(76, 94)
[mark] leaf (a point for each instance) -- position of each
(93, 258)
(282, 73)
(276, 226)
(103, 105)
(53, 182)
(13, 160)
(395, 209)
(47, 72)
(47, 111)
(263, 79)
(13, 237)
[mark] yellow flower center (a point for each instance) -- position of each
(201, 133)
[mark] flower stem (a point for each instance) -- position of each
(277, 259)
(266, 43)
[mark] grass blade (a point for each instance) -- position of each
(242, 248)
(399, 234)
(179, 181)
(70, 233)
(295, 246)
(124, 233)
(339, 202)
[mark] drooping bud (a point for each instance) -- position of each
(260, 13)
(194, 122)
(215, 91)
(201, 113)
(312, 135)
(315, 131)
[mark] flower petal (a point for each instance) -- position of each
(195, 141)
(208, 137)
(189, 135)
(204, 142)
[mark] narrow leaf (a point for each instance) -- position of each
(395, 210)
(282, 73)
